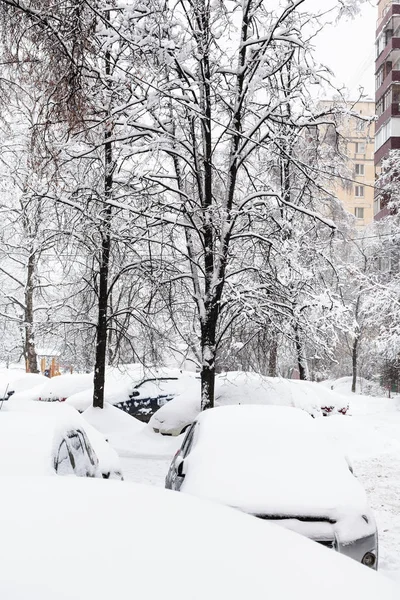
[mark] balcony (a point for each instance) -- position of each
(392, 143)
(382, 213)
(391, 49)
(392, 77)
(393, 9)
(393, 110)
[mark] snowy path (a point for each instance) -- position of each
(145, 470)
(381, 479)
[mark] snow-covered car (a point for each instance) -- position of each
(234, 387)
(238, 387)
(109, 465)
(17, 382)
(82, 539)
(57, 389)
(42, 445)
(138, 391)
(331, 403)
(273, 463)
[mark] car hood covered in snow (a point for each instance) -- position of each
(86, 539)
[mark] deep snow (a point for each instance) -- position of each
(96, 540)
(370, 438)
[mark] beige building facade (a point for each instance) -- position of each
(357, 191)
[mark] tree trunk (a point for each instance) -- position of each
(208, 332)
(354, 356)
(30, 350)
(101, 328)
(273, 357)
(301, 357)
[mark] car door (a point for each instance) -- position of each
(173, 480)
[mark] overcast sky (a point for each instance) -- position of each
(349, 50)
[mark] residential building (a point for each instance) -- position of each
(356, 190)
(387, 74)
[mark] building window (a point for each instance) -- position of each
(380, 44)
(360, 147)
(359, 212)
(359, 191)
(360, 169)
(379, 78)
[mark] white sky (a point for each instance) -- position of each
(348, 49)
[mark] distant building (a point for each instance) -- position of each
(356, 191)
(387, 73)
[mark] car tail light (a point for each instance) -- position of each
(369, 559)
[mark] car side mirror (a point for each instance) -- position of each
(180, 467)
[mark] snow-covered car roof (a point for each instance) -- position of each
(62, 386)
(59, 532)
(272, 461)
(20, 383)
(29, 443)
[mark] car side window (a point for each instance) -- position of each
(82, 460)
(86, 445)
(63, 462)
(75, 444)
(188, 441)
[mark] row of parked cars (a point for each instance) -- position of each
(170, 398)
(266, 463)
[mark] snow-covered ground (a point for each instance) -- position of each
(370, 438)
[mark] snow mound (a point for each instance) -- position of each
(363, 386)
(227, 554)
(146, 444)
(110, 420)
